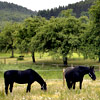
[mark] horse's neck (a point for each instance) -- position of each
(85, 70)
(40, 80)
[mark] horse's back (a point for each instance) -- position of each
(17, 72)
(19, 76)
(10, 73)
(75, 74)
(71, 70)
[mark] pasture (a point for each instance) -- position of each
(53, 75)
(56, 91)
(55, 88)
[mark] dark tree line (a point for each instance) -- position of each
(79, 8)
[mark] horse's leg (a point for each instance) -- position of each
(6, 88)
(80, 84)
(28, 87)
(11, 87)
(68, 84)
(71, 84)
(74, 85)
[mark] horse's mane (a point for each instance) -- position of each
(83, 67)
(70, 69)
(38, 77)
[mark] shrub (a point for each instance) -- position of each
(20, 58)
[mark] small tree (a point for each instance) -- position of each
(26, 32)
(94, 32)
(84, 25)
(8, 37)
(66, 13)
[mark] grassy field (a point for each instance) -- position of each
(52, 74)
(56, 91)
(54, 79)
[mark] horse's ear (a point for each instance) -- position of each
(91, 67)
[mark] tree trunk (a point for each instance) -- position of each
(12, 52)
(99, 57)
(12, 48)
(33, 57)
(65, 61)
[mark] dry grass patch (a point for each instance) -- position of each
(56, 91)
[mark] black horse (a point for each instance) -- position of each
(76, 75)
(27, 76)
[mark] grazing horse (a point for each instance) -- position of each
(22, 77)
(76, 75)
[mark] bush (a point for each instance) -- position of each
(20, 58)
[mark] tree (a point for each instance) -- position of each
(94, 32)
(8, 37)
(66, 13)
(26, 32)
(46, 38)
(71, 32)
(84, 25)
(60, 35)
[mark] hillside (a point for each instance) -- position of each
(16, 13)
(79, 8)
(13, 12)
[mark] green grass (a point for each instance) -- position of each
(47, 72)
(56, 91)
(39, 55)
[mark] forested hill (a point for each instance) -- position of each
(16, 13)
(13, 12)
(79, 8)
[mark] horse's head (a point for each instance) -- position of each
(44, 86)
(91, 73)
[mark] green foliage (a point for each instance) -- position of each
(66, 13)
(49, 38)
(60, 35)
(12, 16)
(27, 31)
(93, 34)
(8, 37)
(84, 14)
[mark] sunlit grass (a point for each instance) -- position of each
(56, 91)
(49, 61)
(45, 58)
